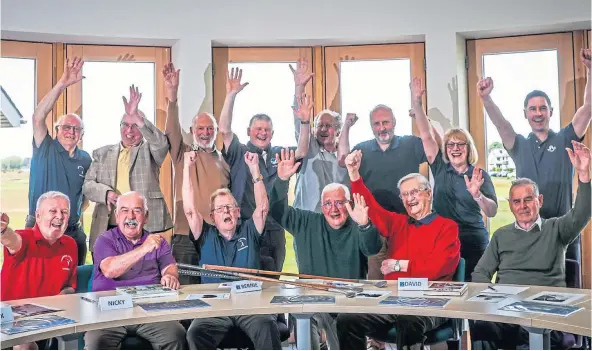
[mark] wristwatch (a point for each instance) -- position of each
(255, 180)
(302, 122)
(365, 226)
(397, 266)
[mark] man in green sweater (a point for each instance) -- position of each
(531, 251)
(335, 243)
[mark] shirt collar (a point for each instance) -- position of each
(424, 221)
(198, 148)
(39, 237)
(395, 142)
(469, 170)
(120, 236)
(538, 222)
(532, 136)
(75, 154)
(255, 149)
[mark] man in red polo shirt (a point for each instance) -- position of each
(39, 261)
(421, 244)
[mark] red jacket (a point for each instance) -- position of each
(433, 248)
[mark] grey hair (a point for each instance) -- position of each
(214, 122)
(142, 114)
(381, 107)
(336, 116)
(52, 195)
(524, 181)
(61, 119)
(144, 200)
(261, 117)
(422, 180)
(336, 186)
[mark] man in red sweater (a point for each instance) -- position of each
(421, 244)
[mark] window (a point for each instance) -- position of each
(109, 71)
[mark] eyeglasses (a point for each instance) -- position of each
(68, 128)
(223, 208)
(338, 203)
(125, 125)
(412, 193)
(452, 145)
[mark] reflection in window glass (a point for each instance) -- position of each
(102, 105)
(365, 84)
(270, 91)
(18, 80)
(515, 75)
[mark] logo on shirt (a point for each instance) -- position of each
(81, 169)
(274, 162)
(242, 244)
(551, 148)
(67, 262)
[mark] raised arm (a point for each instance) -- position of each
(233, 87)
(369, 238)
(261, 200)
(581, 119)
(343, 147)
(573, 222)
(488, 264)
(503, 126)
(287, 216)
(8, 238)
(172, 128)
(428, 139)
(301, 78)
(303, 113)
(190, 196)
(114, 267)
(72, 75)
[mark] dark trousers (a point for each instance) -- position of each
(75, 232)
(208, 333)
(472, 247)
(273, 244)
(184, 252)
(494, 336)
(352, 329)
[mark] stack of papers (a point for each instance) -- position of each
(146, 291)
(497, 293)
(446, 289)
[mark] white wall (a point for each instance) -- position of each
(190, 27)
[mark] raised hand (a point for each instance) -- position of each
(152, 242)
(353, 161)
(4, 220)
(189, 157)
(416, 90)
(72, 72)
(474, 185)
(301, 77)
(304, 110)
(579, 157)
(360, 212)
(351, 119)
(112, 197)
(252, 159)
(484, 87)
(585, 56)
(287, 166)
(171, 80)
(233, 82)
(131, 107)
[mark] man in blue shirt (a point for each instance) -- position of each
(58, 164)
(228, 243)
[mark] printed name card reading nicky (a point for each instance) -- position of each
(412, 284)
(117, 302)
(246, 286)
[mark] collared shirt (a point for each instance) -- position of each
(242, 250)
(240, 177)
(547, 164)
(147, 270)
(122, 184)
(382, 170)
(538, 222)
(52, 168)
(422, 221)
(39, 269)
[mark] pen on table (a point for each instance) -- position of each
(87, 299)
(491, 288)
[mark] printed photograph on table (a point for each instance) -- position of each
(172, 305)
(146, 291)
(29, 310)
(32, 324)
(446, 289)
(486, 297)
(555, 298)
(219, 296)
(373, 294)
(537, 307)
(299, 299)
(415, 301)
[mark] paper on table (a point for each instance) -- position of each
(554, 298)
(505, 290)
(373, 294)
(488, 297)
(221, 296)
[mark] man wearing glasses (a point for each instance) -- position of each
(228, 243)
(58, 164)
(131, 165)
(335, 243)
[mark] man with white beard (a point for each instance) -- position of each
(209, 171)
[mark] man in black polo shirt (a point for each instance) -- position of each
(541, 156)
(58, 164)
(387, 159)
(228, 243)
(260, 132)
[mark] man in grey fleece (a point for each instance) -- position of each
(531, 251)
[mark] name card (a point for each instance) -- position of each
(413, 284)
(117, 302)
(246, 286)
(7, 315)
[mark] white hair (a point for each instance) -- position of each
(52, 195)
(425, 183)
(336, 186)
(61, 119)
(214, 122)
(144, 200)
(336, 116)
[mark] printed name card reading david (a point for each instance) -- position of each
(116, 302)
(413, 284)
(246, 286)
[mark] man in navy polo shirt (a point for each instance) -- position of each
(541, 156)
(387, 159)
(228, 244)
(58, 164)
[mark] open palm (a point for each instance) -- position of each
(233, 82)
(287, 165)
(579, 157)
(301, 76)
(474, 185)
(360, 212)
(72, 71)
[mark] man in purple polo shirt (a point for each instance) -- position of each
(128, 255)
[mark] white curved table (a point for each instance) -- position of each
(88, 316)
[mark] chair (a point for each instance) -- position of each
(451, 331)
(237, 339)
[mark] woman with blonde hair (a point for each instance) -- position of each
(461, 190)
